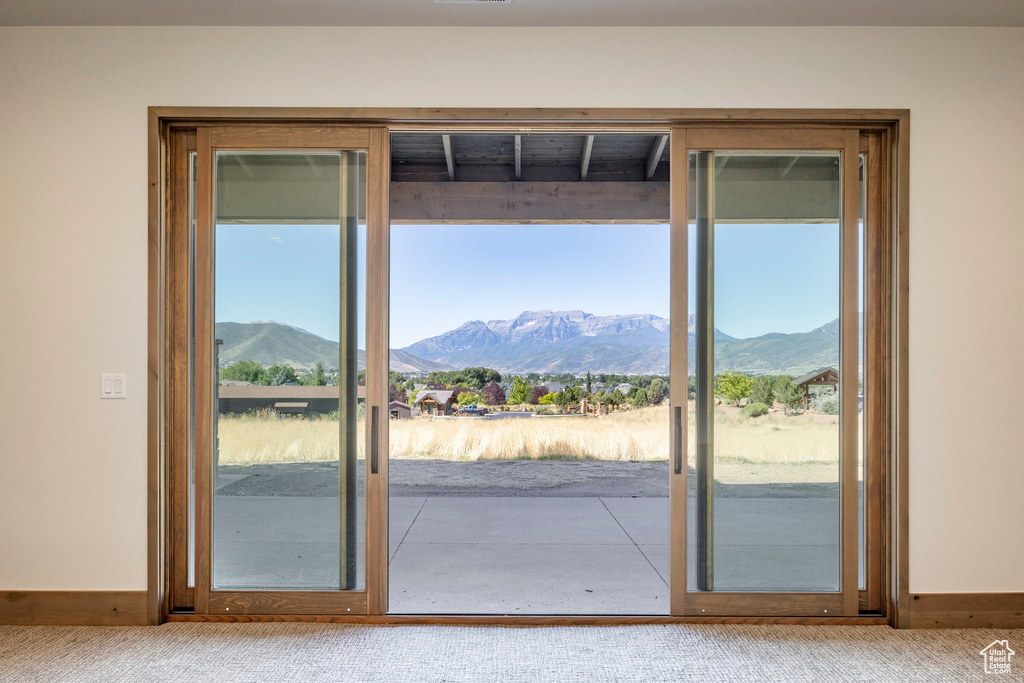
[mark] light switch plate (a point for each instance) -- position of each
(112, 385)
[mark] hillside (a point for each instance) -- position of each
(272, 343)
(775, 353)
(402, 361)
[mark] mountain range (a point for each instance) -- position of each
(574, 341)
(544, 342)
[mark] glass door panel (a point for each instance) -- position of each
(769, 524)
(290, 320)
(765, 510)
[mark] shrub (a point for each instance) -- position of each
(468, 398)
(260, 414)
(733, 386)
(781, 383)
(245, 371)
(640, 398)
(826, 402)
(754, 410)
(396, 393)
(520, 391)
(279, 374)
(763, 390)
(792, 397)
(492, 394)
(567, 397)
(317, 378)
(458, 391)
(658, 390)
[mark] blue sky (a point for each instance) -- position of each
(772, 278)
(285, 273)
(497, 272)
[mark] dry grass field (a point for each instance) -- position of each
(264, 438)
(636, 435)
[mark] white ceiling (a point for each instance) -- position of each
(512, 13)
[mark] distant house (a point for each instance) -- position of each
(555, 387)
(435, 401)
(623, 388)
(827, 376)
(289, 399)
(399, 411)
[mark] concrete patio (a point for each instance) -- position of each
(527, 555)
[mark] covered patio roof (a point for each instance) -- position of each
(542, 177)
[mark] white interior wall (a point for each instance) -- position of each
(73, 237)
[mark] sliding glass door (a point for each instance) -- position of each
(779, 409)
(769, 493)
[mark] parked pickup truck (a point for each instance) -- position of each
(472, 410)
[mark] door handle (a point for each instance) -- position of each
(678, 442)
(374, 429)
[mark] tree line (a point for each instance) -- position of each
(479, 385)
(763, 389)
(276, 375)
(482, 385)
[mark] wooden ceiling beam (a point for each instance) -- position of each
(530, 202)
(588, 147)
(597, 201)
(449, 155)
(654, 156)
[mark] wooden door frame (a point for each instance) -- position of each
(891, 127)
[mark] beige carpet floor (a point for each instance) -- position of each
(317, 652)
